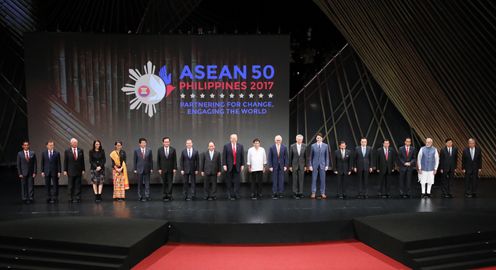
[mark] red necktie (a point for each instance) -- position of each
(27, 155)
(234, 154)
(74, 152)
(407, 152)
(387, 153)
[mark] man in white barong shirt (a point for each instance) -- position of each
(427, 162)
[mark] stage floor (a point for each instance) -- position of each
(244, 210)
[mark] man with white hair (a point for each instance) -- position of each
(74, 170)
(298, 165)
(428, 161)
(278, 164)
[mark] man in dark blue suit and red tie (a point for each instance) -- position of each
(50, 169)
(233, 162)
(278, 163)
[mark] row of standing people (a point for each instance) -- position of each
(298, 159)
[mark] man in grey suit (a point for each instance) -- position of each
(143, 167)
(210, 168)
(26, 169)
(298, 165)
(318, 163)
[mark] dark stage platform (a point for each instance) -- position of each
(79, 242)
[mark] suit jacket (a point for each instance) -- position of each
(143, 165)
(412, 157)
(26, 167)
(381, 163)
(469, 165)
(169, 163)
(228, 160)
(187, 164)
(361, 162)
(274, 161)
(51, 166)
(446, 162)
(319, 158)
(210, 166)
(297, 161)
(71, 166)
(343, 165)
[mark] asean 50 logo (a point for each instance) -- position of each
(149, 89)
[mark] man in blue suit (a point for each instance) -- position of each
(278, 164)
(50, 170)
(143, 167)
(319, 163)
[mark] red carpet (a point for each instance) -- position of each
(329, 255)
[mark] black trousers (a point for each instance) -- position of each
(232, 183)
(52, 186)
(256, 179)
(27, 188)
(298, 175)
(189, 184)
(210, 185)
(405, 180)
(471, 182)
(446, 179)
(341, 183)
(363, 182)
(385, 179)
(74, 187)
(167, 181)
(143, 185)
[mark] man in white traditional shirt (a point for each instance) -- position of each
(428, 161)
(256, 161)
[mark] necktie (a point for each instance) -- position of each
(364, 150)
(234, 153)
(143, 153)
(472, 153)
(74, 153)
(407, 148)
(298, 148)
(189, 153)
(278, 150)
(387, 154)
(167, 152)
(449, 151)
(211, 155)
(342, 154)
(49, 154)
(26, 154)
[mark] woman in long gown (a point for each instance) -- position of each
(119, 172)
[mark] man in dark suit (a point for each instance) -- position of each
(277, 161)
(26, 169)
(210, 168)
(189, 163)
(447, 167)
(233, 161)
(471, 166)
(74, 170)
(298, 165)
(363, 166)
(407, 161)
(344, 165)
(386, 160)
(143, 167)
(50, 170)
(167, 166)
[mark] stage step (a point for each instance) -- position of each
(446, 249)
(29, 262)
(455, 257)
(463, 265)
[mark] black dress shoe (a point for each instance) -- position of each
(148, 199)
(165, 199)
(281, 196)
(468, 195)
(210, 198)
(274, 197)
